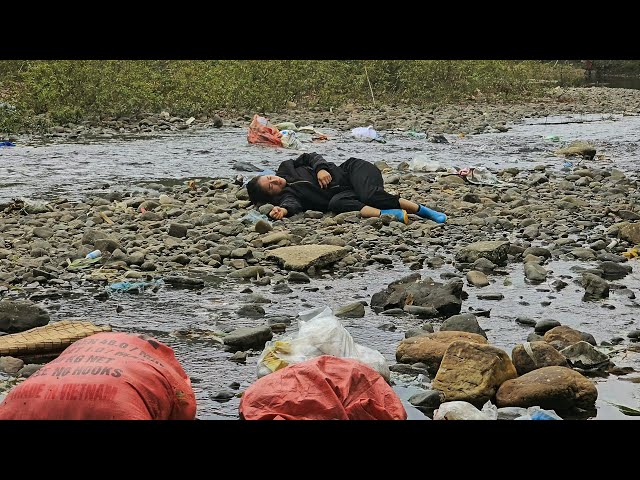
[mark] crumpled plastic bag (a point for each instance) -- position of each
(367, 133)
(458, 410)
(290, 139)
(262, 132)
(322, 388)
(320, 333)
(422, 163)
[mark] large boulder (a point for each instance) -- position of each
(496, 251)
(301, 257)
(630, 232)
(595, 287)
(563, 336)
(20, 315)
(557, 388)
(530, 356)
(445, 298)
(429, 349)
(472, 372)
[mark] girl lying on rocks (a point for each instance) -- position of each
(311, 183)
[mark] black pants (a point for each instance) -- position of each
(366, 188)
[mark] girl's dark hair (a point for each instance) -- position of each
(257, 195)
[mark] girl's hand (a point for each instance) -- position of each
(324, 178)
(278, 212)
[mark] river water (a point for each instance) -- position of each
(46, 170)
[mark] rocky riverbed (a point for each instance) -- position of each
(531, 281)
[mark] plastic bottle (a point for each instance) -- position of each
(94, 254)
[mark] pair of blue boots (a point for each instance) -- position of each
(423, 212)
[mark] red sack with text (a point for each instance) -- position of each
(323, 388)
(106, 376)
(261, 131)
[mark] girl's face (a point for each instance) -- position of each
(272, 184)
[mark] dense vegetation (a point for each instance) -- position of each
(37, 93)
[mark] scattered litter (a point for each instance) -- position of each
(459, 410)
(289, 139)
(632, 412)
(537, 413)
(422, 163)
(286, 126)
(632, 253)
(414, 134)
(319, 333)
(7, 144)
(262, 132)
(105, 217)
(253, 217)
(367, 133)
(81, 263)
(133, 287)
(553, 138)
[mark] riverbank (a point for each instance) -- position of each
(567, 231)
(471, 117)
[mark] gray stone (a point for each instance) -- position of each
(21, 315)
(248, 337)
(421, 312)
(466, 322)
(178, 230)
(251, 311)
(248, 272)
(262, 226)
(583, 253)
(107, 244)
(298, 277)
(614, 270)
(351, 310)
(28, 370)
(10, 365)
(301, 257)
(594, 287)
(538, 252)
(483, 265)
(630, 232)
(534, 273)
(91, 235)
(584, 355)
(181, 281)
(477, 278)
(532, 355)
(427, 401)
(543, 326)
(495, 251)
(490, 296)
(43, 232)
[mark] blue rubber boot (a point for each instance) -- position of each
(425, 212)
(400, 214)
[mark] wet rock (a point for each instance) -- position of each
(490, 296)
(28, 370)
(472, 372)
(222, 395)
(421, 312)
(594, 287)
(248, 337)
(634, 334)
(477, 279)
(628, 215)
(20, 315)
(384, 259)
(262, 226)
(483, 265)
(248, 272)
(538, 252)
(301, 257)
(555, 388)
(10, 365)
(298, 277)
(427, 402)
(181, 281)
(397, 312)
(630, 232)
(534, 337)
(446, 299)
(544, 325)
(495, 251)
(281, 288)
(43, 232)
(613, 270)
(239, 357)
(578, 148)
(251, 311)
(466, 322)
(558, 284)
(178, 230)
(526, 321)
(584, 355)
(563, 336)
(91, 235)
(530, 356)
(583, 253)
(430, 349)
(351, 310)
(534, 273)
(404, 369)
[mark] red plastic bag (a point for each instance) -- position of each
(261, 131)
(323, 388)
(106, 376)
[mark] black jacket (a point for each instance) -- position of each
(303, 192)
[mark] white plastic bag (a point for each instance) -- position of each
(290, 139)
(320, 333)
(365, 133)
(537, 413)
(422, 163)
(458, 410)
